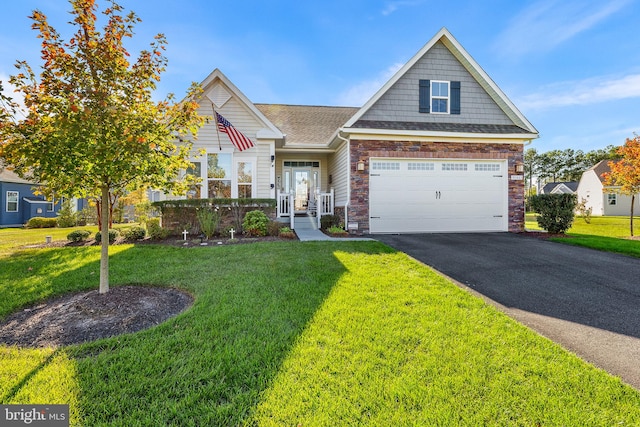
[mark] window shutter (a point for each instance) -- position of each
(455, 98)
(424, 96)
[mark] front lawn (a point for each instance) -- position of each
(604, 233)
(291, 333)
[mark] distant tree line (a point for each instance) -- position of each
(561, 165)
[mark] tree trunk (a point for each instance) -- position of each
(104, 231)
(633, 200)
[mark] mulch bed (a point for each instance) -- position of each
(89, 316)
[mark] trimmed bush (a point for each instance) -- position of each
(113, 235)
(555, 211)
(134, 233)
(155, 231)
(41, 222)
(328, 221)
(78, 235)
(255, 223)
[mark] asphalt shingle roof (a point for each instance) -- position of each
(306, 124)
(440, 127)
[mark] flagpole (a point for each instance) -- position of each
(215, 117)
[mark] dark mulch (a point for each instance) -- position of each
(89, 316)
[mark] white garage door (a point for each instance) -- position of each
(422, 196)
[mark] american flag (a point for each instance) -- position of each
(237, 138)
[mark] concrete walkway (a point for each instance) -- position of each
(306, 227)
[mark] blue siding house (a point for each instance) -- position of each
(18, 203)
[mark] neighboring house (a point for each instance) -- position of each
(438, 148)
(600, 198)
(18, 203)
(560, 188)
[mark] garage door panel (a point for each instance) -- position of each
(414, 198)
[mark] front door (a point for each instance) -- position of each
(301, 186)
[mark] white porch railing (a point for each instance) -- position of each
(285, 206)
(324, 204)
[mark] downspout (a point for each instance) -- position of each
(346, 205)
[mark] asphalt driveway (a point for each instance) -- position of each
(585, 300)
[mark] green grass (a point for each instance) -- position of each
(290, 333)
(604, 233)
(11, 238)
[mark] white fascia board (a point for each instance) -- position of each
(358, 133)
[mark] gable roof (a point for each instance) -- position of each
(271, 131)
(9, 176)
(521, 125)
(307, 125)
(560, 187)
(599, 168)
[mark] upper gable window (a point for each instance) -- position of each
(440, 97)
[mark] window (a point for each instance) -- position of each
(245, 180)
(454, 166)
(219, 175)
(420, 166)
(440, 97)
(487, 167)
(12, 201)
(195, 191)
(612, 199)
(385, 166)
(50, 205)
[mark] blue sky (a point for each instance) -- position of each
(572, 67)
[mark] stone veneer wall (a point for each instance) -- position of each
(364, 149)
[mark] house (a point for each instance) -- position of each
(559, 188)
(18, 203)
(439, 148)
(601, 198)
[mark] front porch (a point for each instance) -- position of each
(310, 204)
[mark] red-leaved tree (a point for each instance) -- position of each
(624, 177)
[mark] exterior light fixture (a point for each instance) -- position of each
(519, 168)
(361, 165)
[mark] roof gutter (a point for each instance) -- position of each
(346, 205)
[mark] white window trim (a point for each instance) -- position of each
(51, 204)
(432, 96)
(234, 179)
(16, 194)
(205, 170)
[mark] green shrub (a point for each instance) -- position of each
(78, 235)
(155, 231)
(286, 233)
(41, 222)
(209, 219)
(255, 223)
(134, 233)
(113, 235)
(555, 211)
(328, 221)
(66, 216)
(274, 228)
(584, 211)
(336, 230)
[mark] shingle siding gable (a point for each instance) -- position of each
(401, 101)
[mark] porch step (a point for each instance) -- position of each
(305, 222)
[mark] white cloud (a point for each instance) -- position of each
(360, 93)
(583, 92)
(395, 5)
(547, 23)
(8, 91)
